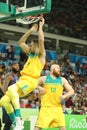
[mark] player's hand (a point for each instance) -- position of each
(41, 90)
(34, 28)
(62, 97)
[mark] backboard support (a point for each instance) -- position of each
(7, 9)
(8, 12)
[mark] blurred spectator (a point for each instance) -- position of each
(12, 53)
(23, 56)
(8, 51)
(69, 102)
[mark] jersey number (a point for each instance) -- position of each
(53, 89)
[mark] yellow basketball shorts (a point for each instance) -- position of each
(50, 117)
(26, 85)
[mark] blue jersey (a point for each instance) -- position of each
(15, 79)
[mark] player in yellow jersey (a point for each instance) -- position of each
(51, 113)
(30, 73)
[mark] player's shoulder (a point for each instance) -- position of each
(43, 78)
(9, 75)
(63, 79)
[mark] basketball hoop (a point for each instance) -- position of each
(29, 19)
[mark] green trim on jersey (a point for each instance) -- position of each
(56, 81)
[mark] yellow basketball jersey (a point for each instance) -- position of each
(33, 66)
(54, 89)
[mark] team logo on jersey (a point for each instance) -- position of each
(53, 89)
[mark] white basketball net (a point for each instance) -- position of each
(28, 19)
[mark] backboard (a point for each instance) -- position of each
(20, 8)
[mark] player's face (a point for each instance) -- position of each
(33, 47)
(15, 68)
(56, 71)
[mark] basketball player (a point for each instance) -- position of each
(28, 80)
(51, 113)
(10, 79)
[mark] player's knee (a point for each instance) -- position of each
(11, 89)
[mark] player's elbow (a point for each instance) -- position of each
(20, 42)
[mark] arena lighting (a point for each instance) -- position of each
(9, 33)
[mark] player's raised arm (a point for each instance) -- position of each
(41, 40)
(22, 41)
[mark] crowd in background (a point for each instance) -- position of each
(77, 77)
(69, 18)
